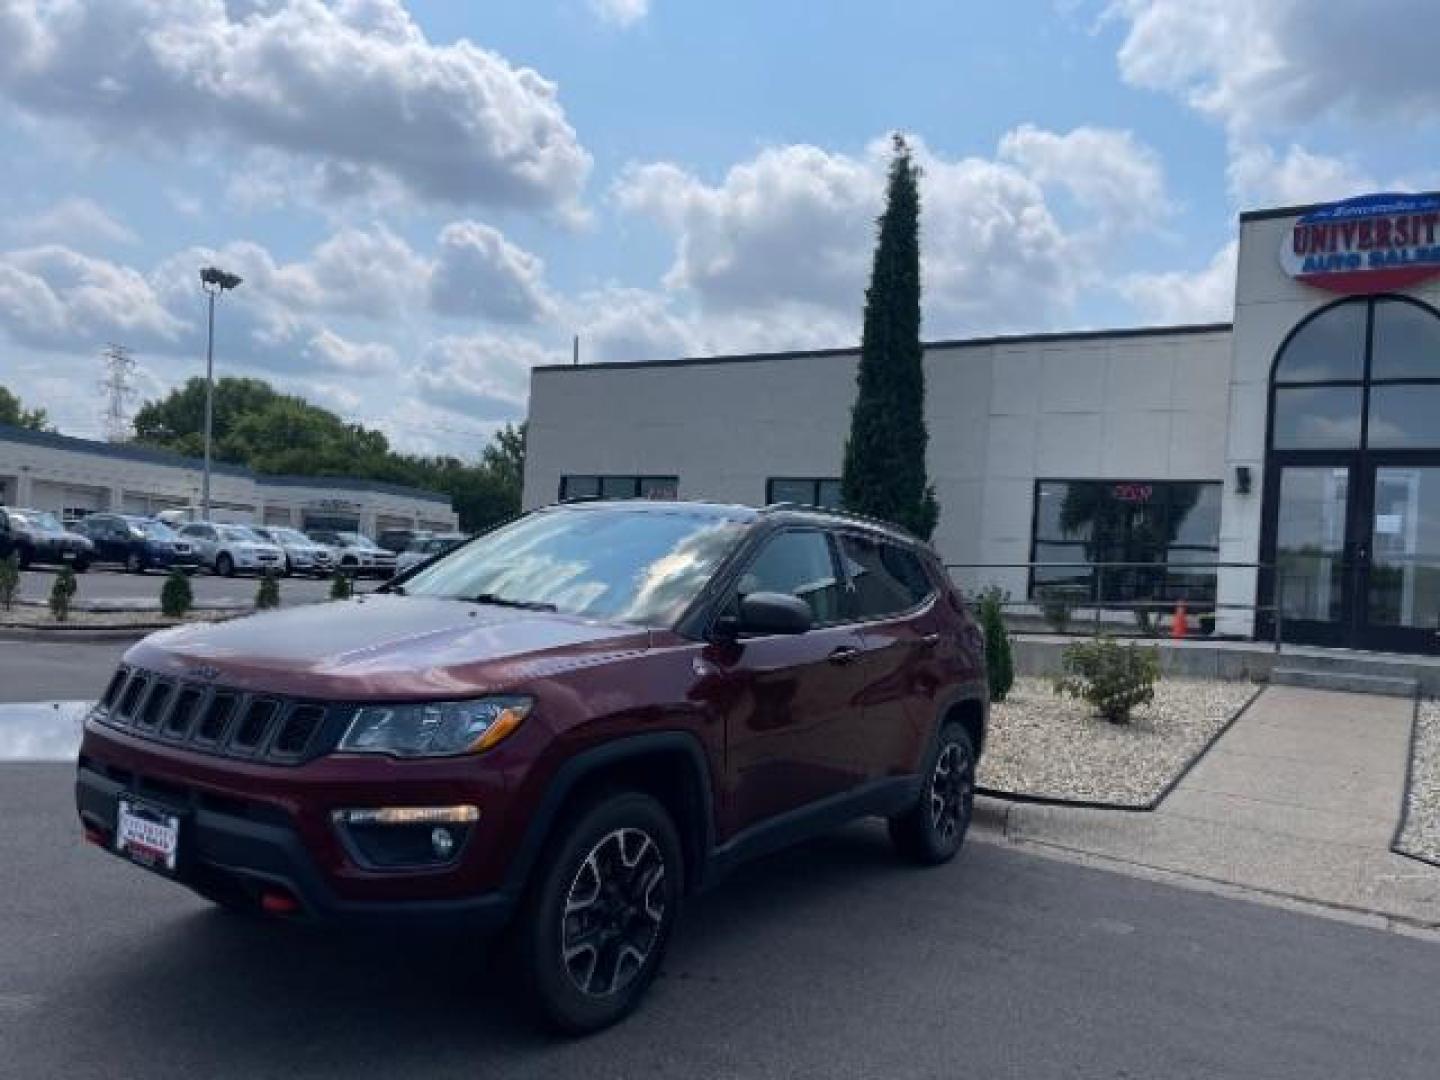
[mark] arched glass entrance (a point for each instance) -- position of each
(1352, 482)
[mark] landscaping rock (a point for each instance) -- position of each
(1043, 745)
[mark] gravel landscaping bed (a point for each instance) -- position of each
(1421, 834)
(1042, 745)
(27, 617)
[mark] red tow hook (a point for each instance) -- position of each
(278, 902)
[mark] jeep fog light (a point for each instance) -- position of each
(443, 841)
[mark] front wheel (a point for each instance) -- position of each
(134, 563)
(225, 565)
(81, 565)
(933, 830)
(599, 917)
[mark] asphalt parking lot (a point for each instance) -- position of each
(106, 584)
(833, 960)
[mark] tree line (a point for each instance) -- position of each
(269, 432)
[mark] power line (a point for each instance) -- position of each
(119, 367)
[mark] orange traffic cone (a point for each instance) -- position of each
(1179, 626)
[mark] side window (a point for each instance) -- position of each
(797, 563)
(887, 578)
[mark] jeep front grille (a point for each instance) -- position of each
(213, 720)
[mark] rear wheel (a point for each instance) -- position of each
(23, 555)
(81, 565)
(134, 563)
(600, 912)
(933, 830)
(224, 565)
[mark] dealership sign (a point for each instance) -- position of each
(1365, 245)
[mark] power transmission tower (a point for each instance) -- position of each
(119, 367)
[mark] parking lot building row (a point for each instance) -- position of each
(76, 477)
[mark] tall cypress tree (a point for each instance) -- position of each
(884, 473)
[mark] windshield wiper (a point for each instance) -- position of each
(505, 601)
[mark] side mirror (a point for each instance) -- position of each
(770, 613)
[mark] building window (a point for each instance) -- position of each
(1360, 373)
(619, 487)
(807, 491)
(1158, 539)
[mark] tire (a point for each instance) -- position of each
(224, 565)
(134, 564)
(24, 557)
(613, 962)
(289, 567)
(932, 831)
(81, 565)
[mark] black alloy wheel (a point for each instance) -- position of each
(933, 830)
(598, 918)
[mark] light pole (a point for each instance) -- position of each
(214, 281)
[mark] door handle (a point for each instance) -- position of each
(844, 654)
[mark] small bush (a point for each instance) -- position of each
(61, 593)
(1114, 678)
(999, 664)
(267, 595)
(9, 580)
(176, 596)
(341, 586)
(1055, 606)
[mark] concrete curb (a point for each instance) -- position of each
(80, 635)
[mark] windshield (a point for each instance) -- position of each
(239, 532)
(619, 565)
(39, 520)
(155, 530)
(289, 536)
(350, 539)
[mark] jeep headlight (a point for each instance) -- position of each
(434, 729)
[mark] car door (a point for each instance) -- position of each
(202, 536)
(891, 597)
(789, 702)
(104, 531)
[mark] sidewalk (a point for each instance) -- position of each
(1300, 798)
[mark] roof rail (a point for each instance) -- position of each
(845, 515)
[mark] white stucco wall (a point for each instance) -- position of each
(1001, 413)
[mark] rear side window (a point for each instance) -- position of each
(886, 578)
(797, 563)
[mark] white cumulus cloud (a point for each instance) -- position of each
(620, 12)
(74, 221)
(1180, 296)
(354, 86)
(481, 274)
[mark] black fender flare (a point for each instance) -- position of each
(972, 690)
(586, 764)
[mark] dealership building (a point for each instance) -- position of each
(1287, 459)
(75, 477)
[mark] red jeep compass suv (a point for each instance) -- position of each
(574, 720)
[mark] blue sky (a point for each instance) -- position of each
(427, 199)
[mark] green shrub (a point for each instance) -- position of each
(1113, 678)
(176, 596)
(61, 593)
(1055, 606)
(341, 586)
(999, 664)
(267, 595)
(9, 580)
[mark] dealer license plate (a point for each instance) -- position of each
(146, 835)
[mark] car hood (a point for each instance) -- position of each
(382, 647)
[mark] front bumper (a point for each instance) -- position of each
(241, 839)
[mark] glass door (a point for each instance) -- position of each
(1313, 557)
(1400, 598)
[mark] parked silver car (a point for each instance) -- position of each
(302, 555)
(424, 548)
(226, 549)
(356, 553)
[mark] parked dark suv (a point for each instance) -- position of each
(564, 726)
(137, 543)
